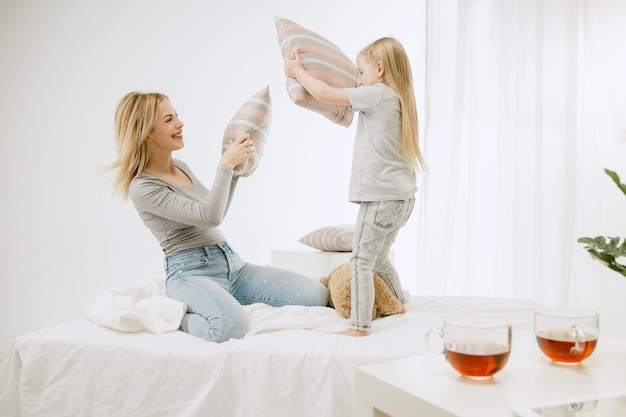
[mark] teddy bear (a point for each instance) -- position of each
(339, 283)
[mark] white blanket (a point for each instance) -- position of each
(135, 309)
(289, 364)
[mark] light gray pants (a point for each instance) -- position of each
(377, 226)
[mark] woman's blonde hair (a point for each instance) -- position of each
(135, 117)
(398, 77)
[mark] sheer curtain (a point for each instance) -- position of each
(502, 125)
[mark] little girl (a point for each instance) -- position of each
(386, 151)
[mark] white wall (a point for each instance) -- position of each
(65, 64)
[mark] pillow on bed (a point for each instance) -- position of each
(324, 61)
(254, 117)
(330, 238)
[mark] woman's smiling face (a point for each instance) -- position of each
(167, 134)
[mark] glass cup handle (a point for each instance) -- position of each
(437, 334)
(578, 334)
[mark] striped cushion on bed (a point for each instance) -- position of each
(254, 117)
(330, 238)
(324, 61)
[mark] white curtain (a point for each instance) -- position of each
(502, 128)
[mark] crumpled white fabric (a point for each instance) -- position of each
(136, 309)
(265, 319)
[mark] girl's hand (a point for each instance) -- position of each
(293, 65)
(238, 151)
(319, 89)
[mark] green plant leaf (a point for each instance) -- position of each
(616, 179)
(606, 250)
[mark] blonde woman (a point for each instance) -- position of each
(385, 157)
(202, 269)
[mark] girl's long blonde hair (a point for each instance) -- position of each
(398, 77)
(135, 117)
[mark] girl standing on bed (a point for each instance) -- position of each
(202, 270)
(385, 156)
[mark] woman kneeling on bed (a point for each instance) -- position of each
(202, 270)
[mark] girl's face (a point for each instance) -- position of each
(370, 72)
(167, 134)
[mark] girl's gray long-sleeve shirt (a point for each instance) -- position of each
(181, 218)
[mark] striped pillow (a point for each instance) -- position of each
(254, 117)
(330, 238)
(324, 61)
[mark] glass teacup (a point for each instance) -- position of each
(476, 347)
(567, 335)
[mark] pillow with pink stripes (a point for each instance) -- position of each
(330, 238)
(253, 117)
(324, 61)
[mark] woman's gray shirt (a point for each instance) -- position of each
(181, 218)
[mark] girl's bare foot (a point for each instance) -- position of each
(353, 332)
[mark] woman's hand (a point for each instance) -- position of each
(238, 151)
(293, 65)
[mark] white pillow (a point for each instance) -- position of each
(337, 238)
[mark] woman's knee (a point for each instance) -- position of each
(214, 314)
(219, 328)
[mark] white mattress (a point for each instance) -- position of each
(289, 365)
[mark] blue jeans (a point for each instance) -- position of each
(214, 282)
(377, 226)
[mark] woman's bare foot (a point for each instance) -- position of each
(353, 332)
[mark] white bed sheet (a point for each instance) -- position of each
(290, 364)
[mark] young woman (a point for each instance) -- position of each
(202, 270)
(386, 153)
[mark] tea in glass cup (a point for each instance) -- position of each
(567, 335)
(476, 347)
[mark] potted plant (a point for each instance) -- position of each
(611, 251)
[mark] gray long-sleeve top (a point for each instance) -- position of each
(181, 218)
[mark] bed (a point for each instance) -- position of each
(289, 364)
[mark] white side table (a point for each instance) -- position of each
(313, 263)
(428, 386)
